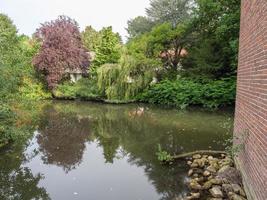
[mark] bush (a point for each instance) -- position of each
(7, 118)
(85, 89)
(184, 92)
(31, 89)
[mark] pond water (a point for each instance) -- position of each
(82, 151)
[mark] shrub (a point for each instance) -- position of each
(7, 118)
(85, 89)
(184, 92)
(32, 89)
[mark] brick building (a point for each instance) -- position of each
(251, 102)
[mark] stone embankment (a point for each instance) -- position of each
(214, 178)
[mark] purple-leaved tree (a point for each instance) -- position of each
(61, 50)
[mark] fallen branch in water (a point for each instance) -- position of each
(190, 154)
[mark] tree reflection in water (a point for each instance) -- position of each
(67, 128)
(62, 138)
(139, 141)
(18, 182)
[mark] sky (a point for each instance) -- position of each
(27, 15)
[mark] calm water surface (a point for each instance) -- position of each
(90, 151)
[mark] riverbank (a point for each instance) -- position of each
(179, 93)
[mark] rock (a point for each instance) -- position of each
(236, 188)
(195, 195)
(227, 188)
(190, 172)
(200, 162)
(197, 170)
(205, 156)
(194, 165)
(216, 181)
(207, 185)
(199, 179)
(196, 156)
(215, 199)
(206, 173)
(223, 155)
(195, 185)
(211, 169)
(216, 192)
(230, 174)
(242, 193)
(226, 161)
(215, 165)
(195, 175)
(189, 162)
(223, 169)
(210, 157)
(210, 177)
(236, 197)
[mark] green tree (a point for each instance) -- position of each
(15, 65)
(139, 26)
(168, 43)
(10, 56)
(108, 51)
(91, 38)
(214, 50)
(172, 11)
(8, 39)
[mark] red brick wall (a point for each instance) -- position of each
(251, 102)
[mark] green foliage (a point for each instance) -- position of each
(7, 118)
(214, 50)
(164, 40)
(138, 46)
(139, 26)
(8, 39)
(125, 80)
(15, 68)
(163, 156)
(85, 89)
(109, 48)
(32, 89)
(91, 38)
(172, 11)
(184, 92)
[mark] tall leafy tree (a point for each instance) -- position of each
(172, 11)
(139, 26)
(91, 38)
(61, 50)
(163, 41)
(109, 48)
(9, 40)
(9, 56)
(12, 62)
(215, 27)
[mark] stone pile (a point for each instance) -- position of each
(214, 178)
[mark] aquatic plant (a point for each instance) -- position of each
(163, 156)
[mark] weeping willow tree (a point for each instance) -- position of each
(123, 81)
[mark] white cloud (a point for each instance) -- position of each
(28, 14)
